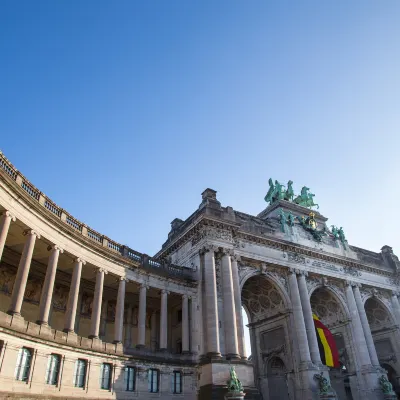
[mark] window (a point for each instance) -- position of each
(153, 379)
(130, 376)
(105, 376)
(80, 373)
(179, 316)
(177, 382)
(53, 367)
(23, 364)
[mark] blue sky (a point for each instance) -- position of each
(124, 112)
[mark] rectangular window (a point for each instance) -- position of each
(105, 376)
(80, 373)
(130, 377)
(153, 380)
(177, 382)
(53, 368)
(23, 364)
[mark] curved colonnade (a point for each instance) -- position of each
(70, 292)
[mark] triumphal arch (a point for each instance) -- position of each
(83, 316)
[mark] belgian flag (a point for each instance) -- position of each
(326, 343)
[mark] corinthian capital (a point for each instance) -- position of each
(226, 252)
(208, 248)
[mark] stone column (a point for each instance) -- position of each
(185, 324)
(164, 320)
(18, 292)
(70, 313)
(365, 325)
(211, 305)
(231, 343)
(396, 307)
(153, 333)
(142, 316)
(97, 301)
(128, 327)
(359, 338)
(48, 285)
(238, 305)
(308, 319)
(5, 221)
(299, 324)
(119, 311)
(194, 326)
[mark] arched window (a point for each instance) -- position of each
(177, 382)
(153, 380)
(130, 378)
(80, 373)
(105, 376)
(53, 368)
(23, 364)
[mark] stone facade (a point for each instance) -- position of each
(84, 316)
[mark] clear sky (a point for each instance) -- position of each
(124, 112)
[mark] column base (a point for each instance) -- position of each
(117, 341)
(186, 352)
(14, 313)
(94, 337)
(232, 356)
(67, 330)
(163, 350)
(213, 355)
(140, 346)
(43, 323)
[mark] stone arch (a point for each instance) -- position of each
(379, 315)
(335, 294)
(273, 278)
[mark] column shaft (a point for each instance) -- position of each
(396, 308)
(308, 319)
(119, 312)
(211, 311)
(238, 307)
(194, 327)
(70, 313)
(299, 324)
(97, 301)
(359, 338)
(185, 324)
(164, 320)
(142, 317)
(48, 286)
(128, 327)
(5, 221)
(231, 342)
(22, 274)
(366, 327)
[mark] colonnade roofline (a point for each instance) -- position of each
(83, 232)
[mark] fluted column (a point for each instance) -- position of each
(396, 307)
(128, 327)
(70, 313)
(119, 312)
(185, 324)
(308, 319)
(153, 332)
(211, 305)
(142, 316)
(366, 327)
(238, 305)
(18, 292)
(299, 324)
(359, 337)
(97, 301)
(5, 221)
(164, 320)
(231, 342)
(48, 285)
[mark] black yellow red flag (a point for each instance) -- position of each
(326, 343)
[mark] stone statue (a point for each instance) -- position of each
(282, 219)
(386, 386)
(324, 386)
(305, 199)
(289, 192)
(234, 385)
(279, 192)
